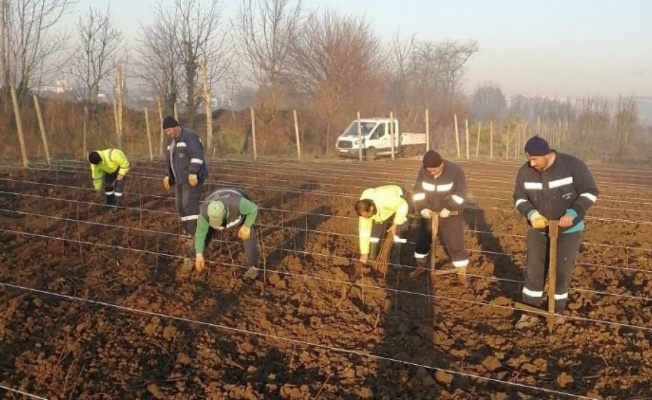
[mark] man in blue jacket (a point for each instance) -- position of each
(551, 186)
(186, 170)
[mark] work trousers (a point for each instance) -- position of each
(186, 199)
(451, 231)
(113, 188)
(537, 265)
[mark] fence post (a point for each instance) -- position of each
(491, 140)
(427, 130)
(85, 133)
(477, 140)
(391, 132)
(149, 136)
(41, 125)
(466, 125)
(359, 139)
(160, 117)
(19, 127)
(457, 137)
(253, 133)
(296, 134)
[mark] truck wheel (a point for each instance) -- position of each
(370, 154)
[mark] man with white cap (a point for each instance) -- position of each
(551, 186)
(225, 209)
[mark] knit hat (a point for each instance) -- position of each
(537, 146)
(432, 159)
(169, 122)
(216, 213)
(94, 157)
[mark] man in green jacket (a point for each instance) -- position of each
(382, 209)
(108, 169)
(225, 209)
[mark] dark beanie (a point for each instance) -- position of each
(432, 159)
(169, 122)
(94, 157)
(537, 146)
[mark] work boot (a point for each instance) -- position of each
(527, 321)
(252, 274)
(419, 270)
(560, 318)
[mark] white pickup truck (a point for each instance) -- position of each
(376, 139)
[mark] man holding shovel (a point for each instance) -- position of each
(108, 170)
(382, 209)
(440, 190)
(551, 186)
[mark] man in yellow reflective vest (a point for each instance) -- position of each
(108, 170)
(382, 209)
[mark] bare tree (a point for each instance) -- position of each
(29, 39)
(430, 73)
(264, 30)
(399, 56)
(488, 102)
(189, 33)
(335, 61)
(96, 56)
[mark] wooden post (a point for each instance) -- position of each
(509, 128)
(359, 139)
(457, 137)
(85, 133)
(160, 117)
(116, 123)
(296, 134)
(391, 133)
(477, 140)
(553, 232)
(253, 133)
(117, 105)
(427, 131)
(491, 140)
(149, 136)
(466, 125)
(41, 125)
(19, 127)
(176, 111)
(207, 108)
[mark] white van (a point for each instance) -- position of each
(376, 139)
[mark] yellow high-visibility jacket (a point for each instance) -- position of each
(389, 201)
(112, 160)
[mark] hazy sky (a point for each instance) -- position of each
(550, 47)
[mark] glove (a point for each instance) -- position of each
(166, 183)
(444, 213)
(199, 262)
(426, 213)
(538, 221)
(192, 179)
(244, 232)
(120, 177)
